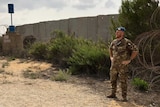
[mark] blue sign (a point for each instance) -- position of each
(10, 8)
(12, 28)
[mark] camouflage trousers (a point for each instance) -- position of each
(119, 71)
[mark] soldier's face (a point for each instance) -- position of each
(119, 34)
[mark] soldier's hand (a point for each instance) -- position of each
(126, 62)
(111, 58)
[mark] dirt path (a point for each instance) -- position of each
(17, 91)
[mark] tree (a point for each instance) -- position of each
(135, 16)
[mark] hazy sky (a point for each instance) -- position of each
(34, 11)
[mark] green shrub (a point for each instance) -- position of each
(90, 58)
(140, 84)
(57, 34)
(60, 49)
(38, 50)
(77, 54)
(62, 75)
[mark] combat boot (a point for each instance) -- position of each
(124, 99)
(124, 96)
(112, 96)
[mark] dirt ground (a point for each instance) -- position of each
(78, 91)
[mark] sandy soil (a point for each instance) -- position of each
(17, 91)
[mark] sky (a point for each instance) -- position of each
(35, 11)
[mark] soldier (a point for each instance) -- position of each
(122, 52)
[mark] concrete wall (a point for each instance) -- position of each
(92, 28)
(12, 44)
(104, 22)
(87, 27)
(78, 27)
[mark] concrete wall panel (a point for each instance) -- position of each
(25, 30)
(78, 27)
(42, 31)
(92, 28)
(104, 24)
(64, 26)
(103, 31)
(50, 27)
(36, 31)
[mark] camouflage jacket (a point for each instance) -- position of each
(122, 49)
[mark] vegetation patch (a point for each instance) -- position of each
(30, 74)
(140, 84)
(62, 75)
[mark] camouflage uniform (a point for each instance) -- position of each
(121, 50)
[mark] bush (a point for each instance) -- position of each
(60, 49)
(38, 50)
(89, 58)
(62, 75)
(77, 54)
(140, 84)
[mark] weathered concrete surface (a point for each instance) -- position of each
(12, 44)
(93, 28)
